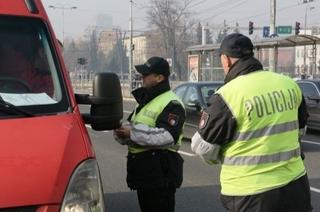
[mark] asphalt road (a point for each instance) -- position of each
(200, 189)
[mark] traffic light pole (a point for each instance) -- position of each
(272, 51)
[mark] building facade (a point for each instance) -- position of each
(307, 58)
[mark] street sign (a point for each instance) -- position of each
(266, 31)
(284, 30)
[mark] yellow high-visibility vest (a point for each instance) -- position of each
(149, 113)
(265, 151)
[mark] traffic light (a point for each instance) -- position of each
(250, 27)
(82, 60)
(297, 28)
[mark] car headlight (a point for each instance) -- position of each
(84, 192)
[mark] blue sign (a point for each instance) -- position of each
(266, 31)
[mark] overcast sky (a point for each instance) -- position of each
(212, 11)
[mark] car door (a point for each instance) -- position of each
(312, 97)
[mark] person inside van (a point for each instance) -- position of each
(23, 67)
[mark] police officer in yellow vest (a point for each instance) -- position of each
(252, 129)
(154, 168)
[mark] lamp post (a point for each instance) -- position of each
(273, 51)
(131, 45)
(62, 8)
(308, 8)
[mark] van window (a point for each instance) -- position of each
(29, 73)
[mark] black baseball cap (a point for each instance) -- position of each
(157, 65)
(236, 45)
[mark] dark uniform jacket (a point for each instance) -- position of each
(217, 125)
(156, 167)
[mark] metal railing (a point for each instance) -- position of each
(82, 83)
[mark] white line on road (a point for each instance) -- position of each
(315, 189)
(310, 142)
(89, 126)
(186, 153)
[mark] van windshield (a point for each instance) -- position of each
(29, 73)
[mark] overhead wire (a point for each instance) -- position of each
(227, 9)
(262, 14)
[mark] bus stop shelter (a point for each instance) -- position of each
(203, 60)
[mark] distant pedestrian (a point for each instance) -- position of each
(252, 128)
(153, 136)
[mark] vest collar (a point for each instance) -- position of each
(144, 95)
(243, 66)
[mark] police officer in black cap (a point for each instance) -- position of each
(153, 136)
(252, 129)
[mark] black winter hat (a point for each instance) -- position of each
(157, 65)
(236, 45)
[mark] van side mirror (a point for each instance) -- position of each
(106, 109)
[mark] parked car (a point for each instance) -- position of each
(47, 159)
(195, 96)
(311, 92)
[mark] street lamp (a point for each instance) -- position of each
(62, 8)
(308, 8)
(306, 16)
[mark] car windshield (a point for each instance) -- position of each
(207, 91)
(29, 74)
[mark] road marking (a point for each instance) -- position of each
(186, 153)
(126, 111)
(89, 126)
(310, 142)
(315, 189)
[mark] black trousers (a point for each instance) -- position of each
(157, 199)
(294, 197)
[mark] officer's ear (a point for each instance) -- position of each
(160, 78)
(229, 61)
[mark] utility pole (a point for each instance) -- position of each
(204, 35)
(62, 8)
(305, 32)
(131, 46)
(272, 51)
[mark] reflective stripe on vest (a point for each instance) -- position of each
(265, 151)
(262, 159)
(148, 115)
(267, 131)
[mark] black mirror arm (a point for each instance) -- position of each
(93, 100)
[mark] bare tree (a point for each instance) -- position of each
(172, 19)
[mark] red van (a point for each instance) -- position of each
(47, 160)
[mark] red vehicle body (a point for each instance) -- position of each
(46, 156)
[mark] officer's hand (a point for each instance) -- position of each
(123, 132)
(118, 136)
